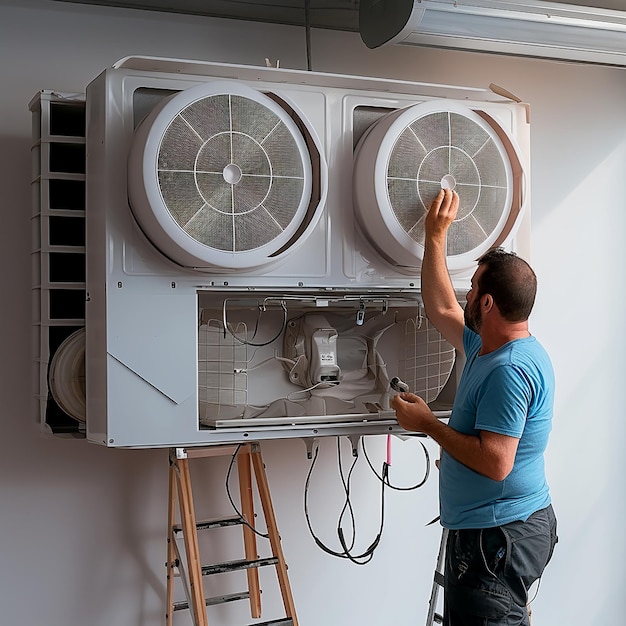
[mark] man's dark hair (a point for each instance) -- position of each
(510, 281)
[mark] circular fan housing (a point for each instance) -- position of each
(403, 161)
(66, 376)
(219, 176)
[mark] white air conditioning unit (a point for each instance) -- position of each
(220, 193)
(535, 28)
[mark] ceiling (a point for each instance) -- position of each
(330, 14)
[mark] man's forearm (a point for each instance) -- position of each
(488, 454)
(464, 448)
(437, 291)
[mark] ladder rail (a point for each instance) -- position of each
(438, 582)
(184, 577)
(249, 538)
(175, 562)
(274, 537)
(190, 538)
(172, 548)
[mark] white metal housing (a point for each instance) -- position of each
(146, 295)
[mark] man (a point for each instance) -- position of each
(493, 493)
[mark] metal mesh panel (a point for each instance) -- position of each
(409, 152)
(428, 359)
(230, 173)
(448, 144)
(222, 365)
(407, 208)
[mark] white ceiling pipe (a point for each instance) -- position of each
(517, 27)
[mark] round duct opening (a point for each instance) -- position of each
(221, 176)
(408, 155)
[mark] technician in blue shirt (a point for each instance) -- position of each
(493, 493)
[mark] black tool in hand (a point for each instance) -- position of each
(398, 385)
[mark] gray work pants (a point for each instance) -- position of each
(488, 571)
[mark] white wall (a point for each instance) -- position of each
(82, 528)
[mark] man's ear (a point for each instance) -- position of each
(487, 302)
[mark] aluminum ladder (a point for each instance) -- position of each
(438, 580)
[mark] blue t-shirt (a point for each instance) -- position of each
(509, 391)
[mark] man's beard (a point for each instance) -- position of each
(473, 316)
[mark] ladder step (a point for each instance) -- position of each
(231, 597)
(439, 578)
(232, 566)
(216, 522)
(437, 619)
(285, 621)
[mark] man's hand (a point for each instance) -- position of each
(412, 412)
(442, 213)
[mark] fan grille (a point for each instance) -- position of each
(448, 145)
(230, 173)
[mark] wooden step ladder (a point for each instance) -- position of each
(190, 569)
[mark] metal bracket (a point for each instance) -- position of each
(354, 440)
(360, 315)
(311, 443)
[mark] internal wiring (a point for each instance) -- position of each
(323, 384)
(247, 342)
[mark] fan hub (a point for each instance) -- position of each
(232, 174)
(448, 182)
(228, 160)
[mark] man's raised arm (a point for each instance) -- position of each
(440, 302)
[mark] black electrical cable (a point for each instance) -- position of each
(385, 479)
(347, 504)
(307, 33)
(244, 521)
(246, 342)
(367, 555)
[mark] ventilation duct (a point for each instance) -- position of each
(220, 176)
(408, 155)
(532, 28)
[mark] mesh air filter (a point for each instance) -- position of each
(220, 176)
(404, 160)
